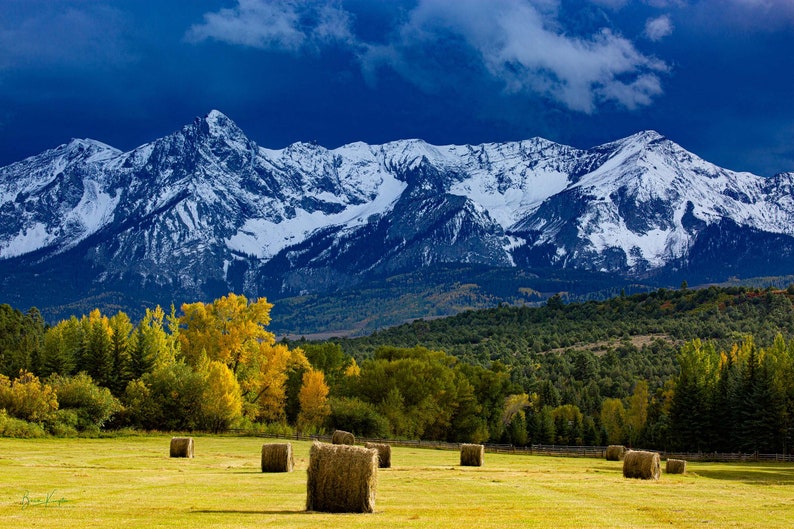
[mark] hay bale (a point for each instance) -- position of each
(616, 452)
(181, 447)
(277, 457)
(384, 453)
(340, 437)
(472, 455)
(641, 465)
(341, 478)
(675, 466)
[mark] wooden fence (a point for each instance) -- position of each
(598, 452)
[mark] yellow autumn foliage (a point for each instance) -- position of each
(313, 399)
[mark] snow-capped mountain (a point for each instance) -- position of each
(205, 210)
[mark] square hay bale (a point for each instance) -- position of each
(384, 453)
(181, 447)
(277, 457)
(675, 466)
(615, 452)
(641, 465)
(472, 455)
(341, 478)
(341, 437)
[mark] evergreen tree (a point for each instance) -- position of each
(544, 426)
(693, 390)
(120, 372)
(140, 353)
(97, 349)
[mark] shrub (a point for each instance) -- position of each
(27, 398)
(13, 427)
(64, 424)
(92, 404)
(167, 399)
(358, 417)
(138, 405)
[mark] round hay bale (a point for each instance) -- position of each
(341, 437)
(675, 466)
(384, 453)
(641, 465)
(341, 478)
(277, 457)
(615, 452)
(181, 447)
(472, 455)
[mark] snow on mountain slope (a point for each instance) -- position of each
(207, 206)
(55, 199)
(645, 200)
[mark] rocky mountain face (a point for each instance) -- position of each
(205, 210)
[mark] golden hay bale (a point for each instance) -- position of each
(472, 455)
(181, 447)
(616, 452)
(384, 453)
(341, 478)
(641, 465)
(341, 437)
(277, 457)
(675, 466)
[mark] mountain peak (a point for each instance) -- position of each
(86, 148)
(216, 124)
(648, 135)
(639, 140)
(217, 117)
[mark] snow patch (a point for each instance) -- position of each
(30, 239)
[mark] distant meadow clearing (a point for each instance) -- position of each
(132, 482)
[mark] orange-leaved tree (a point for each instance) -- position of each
(232, 330)
(222, 403)
(313, 398)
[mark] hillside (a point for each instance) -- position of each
(612, 342)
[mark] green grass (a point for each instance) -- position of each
(131, 482)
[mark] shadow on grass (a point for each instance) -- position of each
(258, 512)
(752, 475)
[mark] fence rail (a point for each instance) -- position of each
(598, 452)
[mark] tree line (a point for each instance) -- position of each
(707, 369)
(214, 366)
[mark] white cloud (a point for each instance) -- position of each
(287, 25)
(517, 45)
(658, 28)
(522, 44)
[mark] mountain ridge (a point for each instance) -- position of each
(205, 210)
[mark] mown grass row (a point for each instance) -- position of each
(132, 482)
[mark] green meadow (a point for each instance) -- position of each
(132, 482)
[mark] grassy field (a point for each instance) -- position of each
(131, 482)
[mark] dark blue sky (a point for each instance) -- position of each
(716, 76)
